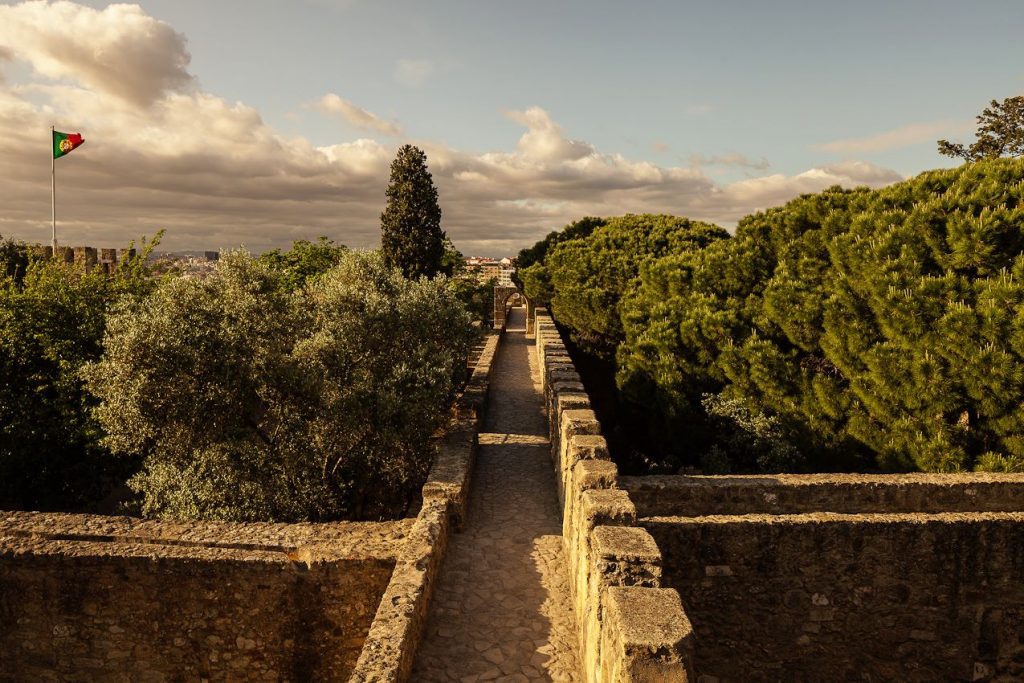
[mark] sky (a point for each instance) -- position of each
(257, 123)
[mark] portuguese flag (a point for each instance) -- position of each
(63, 143)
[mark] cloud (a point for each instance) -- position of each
(357, 116)
(215, 174)
(544, 139)
(118, 50)
(733, 159)
(414, 72)
(758, 193)
(904, 136)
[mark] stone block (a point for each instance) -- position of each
(562, 401)
(624, 556)
(586, 475)
(645, 636)
(572, 422)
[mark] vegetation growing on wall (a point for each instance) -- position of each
(846, 329)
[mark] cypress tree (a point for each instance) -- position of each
(411, 235)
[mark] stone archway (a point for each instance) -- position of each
(505, 298)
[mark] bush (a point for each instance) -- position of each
(52, 319)
(249, 401)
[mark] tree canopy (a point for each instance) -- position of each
(305, 261)
(52, 319)
(251, 401)
(848, 329)
(1000, 133)
(411, 235)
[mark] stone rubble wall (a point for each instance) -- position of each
(390, 649)
(691, 496)
(844, 597)
(631, 627)
(87, 597)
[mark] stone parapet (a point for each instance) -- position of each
(607, 552)
(693, 496)
(397, 628)
(86, 597)
(89, 597)
(828, 596)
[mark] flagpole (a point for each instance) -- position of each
(53, 194)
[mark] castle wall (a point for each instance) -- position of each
(690, 496)
(85, 597)
(631, 627)
(831, 597)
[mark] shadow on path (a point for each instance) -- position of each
(501, 610)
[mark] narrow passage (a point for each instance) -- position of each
(501, 611)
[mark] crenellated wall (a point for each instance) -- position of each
(631, 627)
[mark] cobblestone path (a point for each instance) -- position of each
(501, 610)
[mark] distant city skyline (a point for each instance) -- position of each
(262, 122)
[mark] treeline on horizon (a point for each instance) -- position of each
(846, 330)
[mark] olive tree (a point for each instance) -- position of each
(252, 401)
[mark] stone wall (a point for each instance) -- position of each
(86, 597)
(690, 496)
(833, 597)
(390, 648)
(911, 577)
(631, 628)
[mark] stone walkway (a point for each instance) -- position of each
(501, 610)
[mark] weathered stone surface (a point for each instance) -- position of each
(143, 602)
(850, 493)
(825, 596)
(502, 609)
(645, 636)
(626, 556)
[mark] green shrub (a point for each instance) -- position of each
(52, 319)
(250, 401)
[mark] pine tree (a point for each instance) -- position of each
(411, 235)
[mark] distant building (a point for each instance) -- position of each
(487, 268)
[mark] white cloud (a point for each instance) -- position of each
(215, 174)
(414, 72)
(118, 50)
(904, 136)
(357, 116)
(734, 159)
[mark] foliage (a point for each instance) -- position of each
(587, 276)
(411, 235)
(1000, 133)
(52, 321)
(305, 261)
(748, 441)
(476, 296)
(452, 261)
(250, 401)
(866, 328)
(14, 258)
(533, 257)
